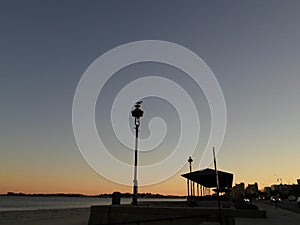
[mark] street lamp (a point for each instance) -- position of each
(190, 160)
(137, 113)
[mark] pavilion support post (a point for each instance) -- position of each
(188, 187)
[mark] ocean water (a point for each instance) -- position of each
(17, 203)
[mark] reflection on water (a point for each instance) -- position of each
(11, 203)
(16, 203)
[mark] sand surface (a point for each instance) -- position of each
(276, 216)
(46, 217)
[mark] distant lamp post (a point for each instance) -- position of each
(191, 185)
(137, 113)
(190, 160)
(279, 179)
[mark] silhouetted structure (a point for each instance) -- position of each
(238, 195)
(284, 190)
(190, 184)
(251, 191)
(137, 113)
(207, 178)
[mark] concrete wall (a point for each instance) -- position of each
(126, 214)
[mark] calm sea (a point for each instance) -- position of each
(15, 203)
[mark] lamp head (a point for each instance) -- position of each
(137, 112)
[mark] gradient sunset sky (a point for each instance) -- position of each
(253, 48)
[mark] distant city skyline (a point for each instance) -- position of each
(252, 47)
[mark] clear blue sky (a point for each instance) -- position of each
(45, 46)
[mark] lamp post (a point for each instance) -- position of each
(137, 113)
(218, 188)
(190, 160)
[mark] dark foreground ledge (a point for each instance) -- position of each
(130, 215)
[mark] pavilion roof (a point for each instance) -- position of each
(207, 178)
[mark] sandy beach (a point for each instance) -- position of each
(78, 216)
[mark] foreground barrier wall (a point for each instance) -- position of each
(126, 214)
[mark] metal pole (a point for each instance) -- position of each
(218, 188)
(135, 182)
(191, 183)
(137, 113)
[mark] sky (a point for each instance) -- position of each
(252, 48)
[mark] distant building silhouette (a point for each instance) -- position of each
(238, 189)
(284, 190)
(252, 190)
